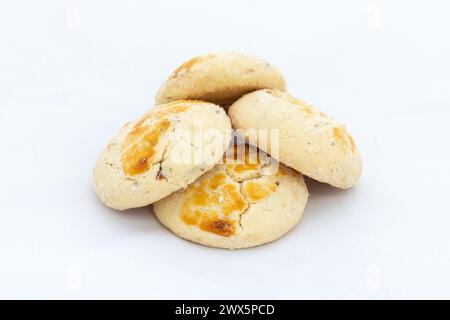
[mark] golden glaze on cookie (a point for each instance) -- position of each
(241, 203)
(138, 148)
(187, 65)
(342, 138)
(215, 203)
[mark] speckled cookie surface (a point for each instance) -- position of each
(220, 78)
(244, 202)
(309, 140)
(156, 155)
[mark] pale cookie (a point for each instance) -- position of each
(309, 141)
(250, 202)
(163, 151)
(221, 78)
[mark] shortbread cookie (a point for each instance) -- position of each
(221, 78)
(163, 151)
(241, 203)
(309, 141)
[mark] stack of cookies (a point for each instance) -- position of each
(221, 155)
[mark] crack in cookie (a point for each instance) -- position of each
(139, 146)
(216, 202)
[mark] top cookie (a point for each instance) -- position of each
(163, 151)
(220, 78)
(309, 141)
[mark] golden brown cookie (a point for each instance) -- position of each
(163, 151)
(220, 78)
(309, 140)
(246, 201)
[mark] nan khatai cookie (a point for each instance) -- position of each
(220, 78)
(163, 151)
(309, 141)
(247, 201)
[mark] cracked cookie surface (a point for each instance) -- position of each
(144, 161)
(247, 200)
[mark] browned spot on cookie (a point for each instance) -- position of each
(138, 148)
(240, 168)
(186, 66)
(172, 108)
(243, 162)
(307, 109)
(221, 227)
(143, 162)
(303, 106)
(342, 138)
(258, 190)
(217, 181)
(352, 143)
(232, 200)
(214, 205)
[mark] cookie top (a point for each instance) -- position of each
(248, 200)
(309, 140)
(165, 150)
(220, 78)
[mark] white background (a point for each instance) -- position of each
(72, 72)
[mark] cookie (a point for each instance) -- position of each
(309, 140)
(163, 151)
(246, 201)
(220, 78)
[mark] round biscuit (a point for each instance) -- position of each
(309, 141)
(237, 204)
(163, 151)
(220, 78)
